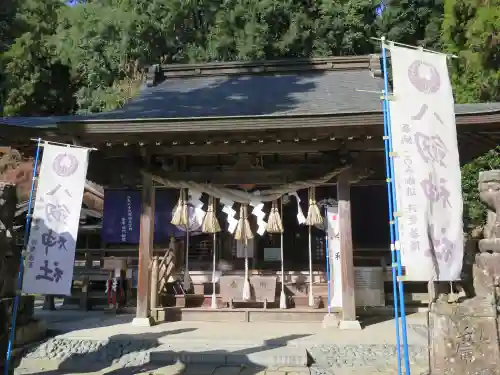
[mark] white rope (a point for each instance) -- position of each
(244, 197)
(311, 297)
(187, 281)
(214, 297)
(246, 284)
(282, 295)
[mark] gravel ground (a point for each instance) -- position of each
(93, 354)
(328, 359)
(124, 351)
(381, 357)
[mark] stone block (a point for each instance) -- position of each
(464, 339)
(353, 325)
(143, 322)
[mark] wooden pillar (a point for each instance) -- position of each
(154, 282)
(143, 317)
(348, 317)
(85, 293)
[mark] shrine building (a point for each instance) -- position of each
(251, 127)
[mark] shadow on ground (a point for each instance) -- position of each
(141, 353)
(367, 320)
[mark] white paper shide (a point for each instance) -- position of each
(426, 166)
(333, 233)
(54, 228)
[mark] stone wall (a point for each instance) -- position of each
(464, 335)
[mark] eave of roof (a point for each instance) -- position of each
(490, 112)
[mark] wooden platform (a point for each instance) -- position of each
(249, 315)
(170, 314)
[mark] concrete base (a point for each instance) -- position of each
(331, 321)
(143, 322)
(353, 325)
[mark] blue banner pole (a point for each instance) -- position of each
(394, 217)
(327, 252)
(392, 236)
(21, 264)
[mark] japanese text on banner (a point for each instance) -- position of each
(52, 239)
(426, 166)
(333, 233)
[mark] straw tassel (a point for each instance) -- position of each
(282, 294)
(210, 222)
(274, 223)
(180, 215)
(211, 225)
(244, 233)
(313, 218)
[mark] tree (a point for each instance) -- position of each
(474, 209)
(8, 11)
(100, 45)
(413, 22)
(36, 83)
(345, 27)
(471, 30)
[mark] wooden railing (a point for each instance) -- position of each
(163, 268)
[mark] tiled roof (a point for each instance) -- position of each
(341, 86)
(281, 94)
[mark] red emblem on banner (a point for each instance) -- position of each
(334, 217)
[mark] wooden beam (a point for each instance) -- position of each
(270, 148)
(251, 176)
(143, 317)
(348, 317)
(120, 143)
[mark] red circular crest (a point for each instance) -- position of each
(427, 84)
(65, 165)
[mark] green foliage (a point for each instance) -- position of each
(471, 30)
(101, 46)
(474, 209)
(8, 11)
(35, 81)
(414, 22)
(345, 27)
(257, 30)
(90, 57)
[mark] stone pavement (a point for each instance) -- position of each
(178, 369)
(99, 343)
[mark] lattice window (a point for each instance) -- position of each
(234, 248)
(252, 245)
(201, 251)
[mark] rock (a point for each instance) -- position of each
(464, 336)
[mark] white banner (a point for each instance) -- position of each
(51, 247)
(334, 234)
(427, 168)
